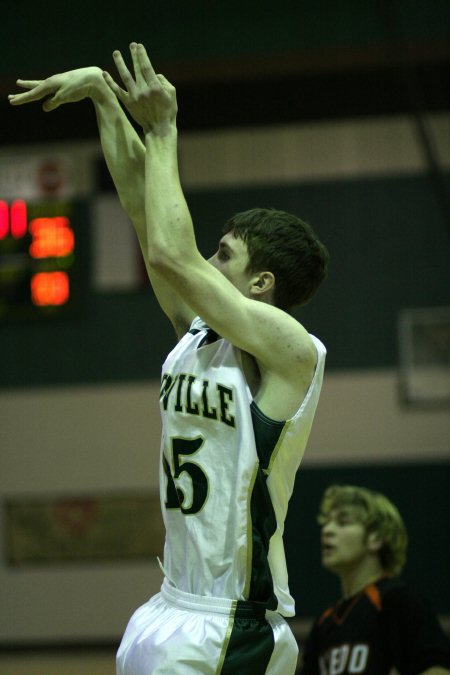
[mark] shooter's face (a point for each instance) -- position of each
(231, 260)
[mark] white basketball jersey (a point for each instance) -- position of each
(227, 473)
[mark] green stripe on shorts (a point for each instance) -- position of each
(250, 647)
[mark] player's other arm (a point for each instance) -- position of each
(123, 150)
(124, 153)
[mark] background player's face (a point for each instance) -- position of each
(231, 260)
(344, 541)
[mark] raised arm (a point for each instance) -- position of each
(124, 153)
(279, 343)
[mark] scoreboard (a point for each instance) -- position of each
(38, 251)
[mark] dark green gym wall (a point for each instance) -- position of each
(47, 35)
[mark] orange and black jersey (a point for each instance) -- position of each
(384, 626)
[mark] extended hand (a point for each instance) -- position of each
(149, 98)
(69, 87)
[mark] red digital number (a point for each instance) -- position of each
(50, 288)
(52, 237)
(13, 220)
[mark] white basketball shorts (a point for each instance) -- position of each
(176, 633)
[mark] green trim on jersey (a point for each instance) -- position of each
(263, 519)
(248, 574)
(268, 434)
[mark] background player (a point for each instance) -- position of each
(379, 623)
(238, 393)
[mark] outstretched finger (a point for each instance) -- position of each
(120, 93)
(136, 62)
(145, 65)
(35, 94)
(123, 71)
(28, 84)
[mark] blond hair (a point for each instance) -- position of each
(377, 514)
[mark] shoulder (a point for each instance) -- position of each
(295, 353)
(403, 604)
(395, 591)
(280, 344)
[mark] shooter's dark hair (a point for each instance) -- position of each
(281, 243)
